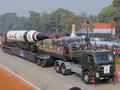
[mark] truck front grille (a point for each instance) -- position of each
(101, 69)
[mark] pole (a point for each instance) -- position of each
(87, 27)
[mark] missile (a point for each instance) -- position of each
(26, 35)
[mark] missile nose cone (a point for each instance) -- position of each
(41, 36)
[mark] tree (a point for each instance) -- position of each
(34, 20)
(91, 18)
(107, 14)
(8, 21)
(116, 4)
(61, 19)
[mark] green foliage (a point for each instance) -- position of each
(59, 21)
(116, 4)
(7, 22)
(110, 15)
(107, 14)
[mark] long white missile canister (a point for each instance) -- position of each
(26, 35)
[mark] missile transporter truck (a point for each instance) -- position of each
(90, 64)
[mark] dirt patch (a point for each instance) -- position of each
(8, 81)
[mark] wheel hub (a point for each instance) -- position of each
(86, 78)
(63, 70)
(57, 68)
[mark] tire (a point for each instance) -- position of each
(3, 50)
(38, 62)
(57, 67)
(86, 77)
(43, 63)
(49, 63)
(64, 70)
(8, 51)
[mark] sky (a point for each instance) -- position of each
(22, 7)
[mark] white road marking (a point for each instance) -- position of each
(20, 77)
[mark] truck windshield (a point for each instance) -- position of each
(104, 57)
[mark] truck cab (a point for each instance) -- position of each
(99, 63)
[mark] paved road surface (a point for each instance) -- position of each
(47, 78)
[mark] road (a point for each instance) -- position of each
(9, 79)
(47, 78)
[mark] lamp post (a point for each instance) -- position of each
(87, 29)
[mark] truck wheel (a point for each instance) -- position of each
(43, 63)
(3, 50)
(57, 67)
(64, 70)
(9, 52)
(38, 62)
(86, 77)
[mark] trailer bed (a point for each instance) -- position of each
(53, 53)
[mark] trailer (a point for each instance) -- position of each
(75, 57)
(66, 58)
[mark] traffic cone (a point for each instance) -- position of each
(116, 73)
